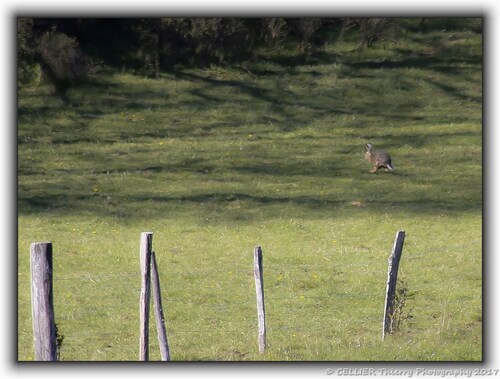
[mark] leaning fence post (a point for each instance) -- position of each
(145, 257)
(392, 278)
(44, 326)
(259, 288)
(160, 320)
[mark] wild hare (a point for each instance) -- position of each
(379, 159)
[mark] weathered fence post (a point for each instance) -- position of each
(160, 320)
(392, 277)
(259, 288)
(44, 326)
(145, 257)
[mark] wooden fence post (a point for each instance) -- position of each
(145, 257)
(44, 327)
(392, 277)
(160, 320)
(259, 288)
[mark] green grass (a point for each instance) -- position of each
(217, 161)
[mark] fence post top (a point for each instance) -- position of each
(41, 243)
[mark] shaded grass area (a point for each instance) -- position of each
(215, 161)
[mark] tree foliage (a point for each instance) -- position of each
(62, 47)
(27, 68)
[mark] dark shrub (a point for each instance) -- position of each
(62, 60)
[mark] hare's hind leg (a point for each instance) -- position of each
(374, 170)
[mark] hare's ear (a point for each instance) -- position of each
(368, 146)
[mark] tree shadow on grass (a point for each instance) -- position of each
(154, 205)
(290, 111)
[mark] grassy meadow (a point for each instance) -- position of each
(215, 161)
